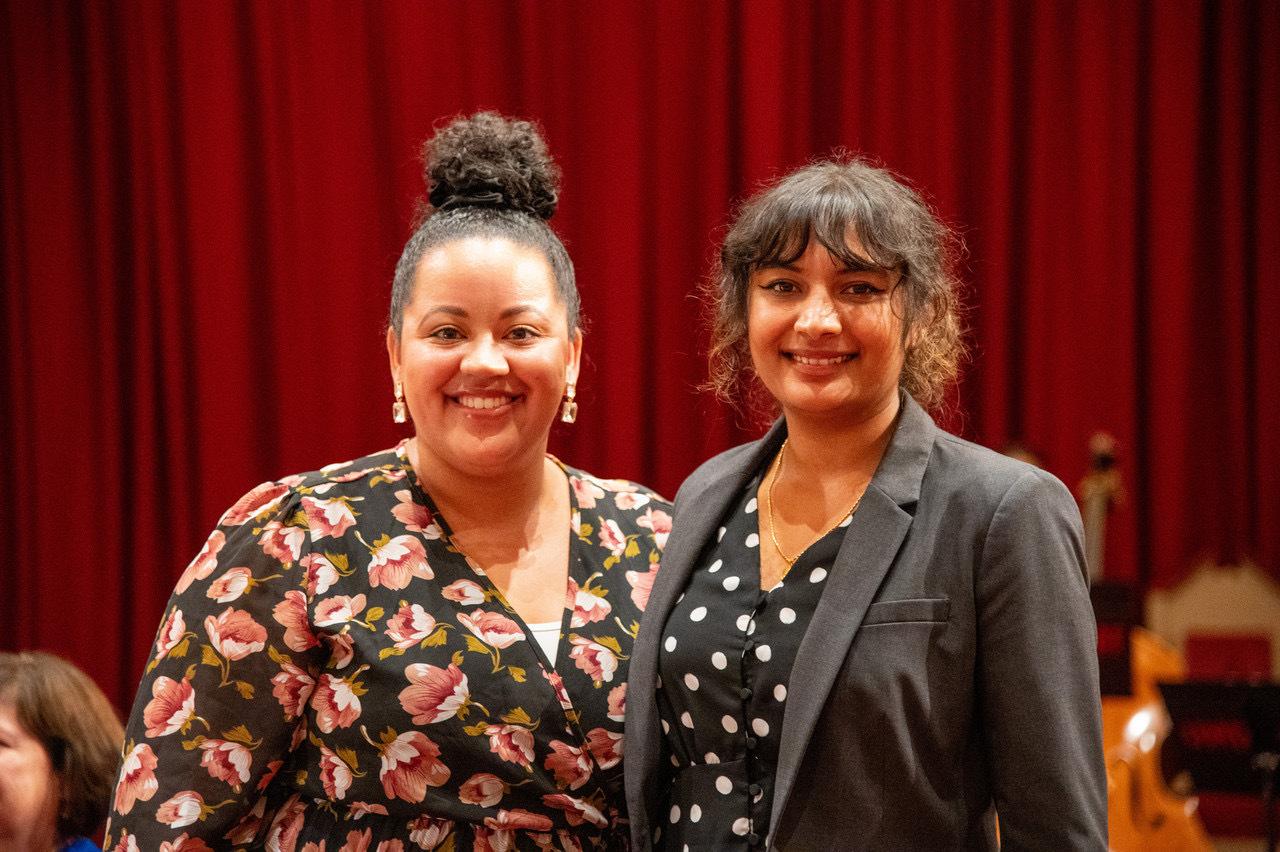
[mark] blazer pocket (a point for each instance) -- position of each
(930, 610)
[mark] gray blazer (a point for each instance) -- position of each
(949, 670)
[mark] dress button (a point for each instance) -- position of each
(754, 789)
(748, 646)
(745, 692)
(751, 742)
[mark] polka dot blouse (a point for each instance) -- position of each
(724, 667)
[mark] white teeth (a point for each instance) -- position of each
(818, 362)
(484, 401)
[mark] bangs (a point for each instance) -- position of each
(785, 228)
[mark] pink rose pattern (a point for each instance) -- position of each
(331, 674)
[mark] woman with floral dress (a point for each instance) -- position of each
(425, 648)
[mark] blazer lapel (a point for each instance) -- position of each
(698, 515)
(870, 544)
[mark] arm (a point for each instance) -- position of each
(224, 690)
(1038, 673)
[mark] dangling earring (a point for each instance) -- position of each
(569, 410)
(399, 411)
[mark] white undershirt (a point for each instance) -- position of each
(548, 635)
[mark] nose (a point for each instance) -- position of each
(818, 316)
(484, 357)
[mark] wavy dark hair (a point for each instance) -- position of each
(826, 201)
(487, 176)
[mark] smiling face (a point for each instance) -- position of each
(28, 786)
(484, 354)
(826, 340)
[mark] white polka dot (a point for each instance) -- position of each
(817, 575)
(720, 534)
(695, 814)
(711, 757)
(675, 761)
(724, 785)
(666, 728)
(780, 692)
(743, 621)
(786, 615)
(685, 848)
(848, 519)
(670, 644)
(686, 719)
(763, 653)
(698, 613)
(730, 724)
(751, 626)
(675, 814)
(715, 566)
(680, 598)
(741, 826)
(752, 540)
(751, 505)
(731, 582)
(691, 682)
(719, 660)
(761, 727)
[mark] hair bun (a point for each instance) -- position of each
(488, 160)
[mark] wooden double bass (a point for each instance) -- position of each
(1143, 813)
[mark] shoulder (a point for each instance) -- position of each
(977, 474)
(716, 467)
(591, 491)
(331, 482)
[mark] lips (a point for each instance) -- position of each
(483, 402)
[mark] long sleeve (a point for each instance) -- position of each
(222, 698)
(1038, 675)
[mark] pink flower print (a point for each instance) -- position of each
(434, 694)
(410, 765)
(355, 810)
(570, 765)
(171, 633)
(282, 542)
(185, 843)
(341, 648)
(358, 841)
(511, 743)
(246, 828)
(576, 810)
(291, 613)
(338, 609)
(642, 585)
(329, 518)
(234, 634)
(484, 789)
(415, 516)
(516, 819)
(586, 491)
(182, 809)
(397, 561)
(261, 499)
(390, 846)
(618, 702)
(292, 688)
(204, 563)
(293, 480)
(335, 775)
(430, 832)
(587, 606)
(137, 778)
(658, 521)
(465, 592)
(626, 500)
(410, 625)
(595, 659)
(335, 702)
(230, 585)
(172, 706)
(491, 840)
(274, 766)
(492, 628)
(227, 761)
(321, 573)
(612, 539)
(605, 746)
(126, 843)
(557, 684)
(287, 825)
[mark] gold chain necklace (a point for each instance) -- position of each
(777, 474)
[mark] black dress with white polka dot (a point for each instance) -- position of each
(727, 652)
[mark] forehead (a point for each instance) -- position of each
(480, 271)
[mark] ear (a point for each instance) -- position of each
(393, 353)
(573, 360)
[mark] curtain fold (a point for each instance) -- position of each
(203, 204)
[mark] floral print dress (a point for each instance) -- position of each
(331, 673)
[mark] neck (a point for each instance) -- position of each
(825, 449)
(510, 495)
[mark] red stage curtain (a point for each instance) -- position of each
(202, 204)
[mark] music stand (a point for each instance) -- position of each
(1229, 737)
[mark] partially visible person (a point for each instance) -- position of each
(867, 634)
(59, 748)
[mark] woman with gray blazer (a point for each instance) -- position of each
(867, 633)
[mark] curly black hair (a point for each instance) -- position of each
(490, 176)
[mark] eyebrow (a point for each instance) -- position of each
(456, 311)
